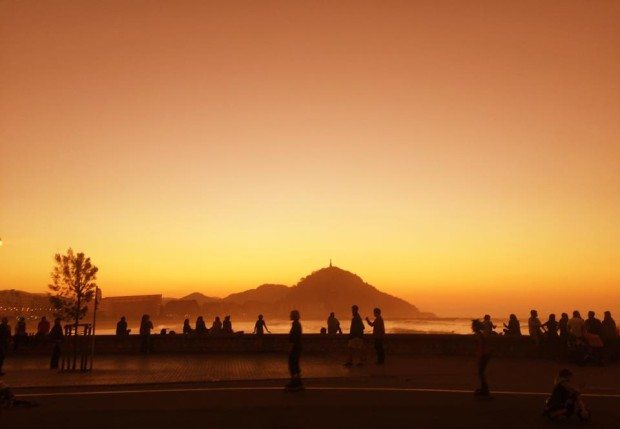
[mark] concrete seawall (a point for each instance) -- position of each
(396, 344)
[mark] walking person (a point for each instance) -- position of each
(146, 326)
(294, 338)
(356, 338)
(378, 334)
(5, 337)
(56, 336)
(483, 353)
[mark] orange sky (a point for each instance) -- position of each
(462, 155)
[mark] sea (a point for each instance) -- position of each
(401, 326)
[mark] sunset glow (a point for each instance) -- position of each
(463, 156)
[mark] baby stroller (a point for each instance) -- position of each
(565, 401)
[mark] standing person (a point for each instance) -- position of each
(146, 326)
(488, 328)
(483, 353)
(259, 329)
(563, 326)
(333, 325)
(5, 337)
(356, 338)
(21, 336)
(121, 327)
(513, 329)
(294, 338)
(201, 327)
(378, 333)
(609, 330)
(56, 335)
(592, 325)
(534, 327)
(609, 334)
(552, 327)
(576, 327)
(43, 328)
(260, 326)
(227, 326)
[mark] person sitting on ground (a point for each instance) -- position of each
(227, 326)
(565, 400)
(488, 326)
(43, 328)
(356, 338)
(5, 337)
(8, 399)
(260, 326)
(513, 329)
(216, 327)
(563, 326)
(333, 325)
(534, 327)
(483, 353)
(201, 327)
(551, 327)
(121, 327)
(576, 327)
(187, 329)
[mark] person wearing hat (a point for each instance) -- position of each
(565, 400)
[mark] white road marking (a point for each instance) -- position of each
(316, 388)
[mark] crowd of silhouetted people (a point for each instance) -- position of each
(584, 340)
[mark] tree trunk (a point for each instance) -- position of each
(77, 322)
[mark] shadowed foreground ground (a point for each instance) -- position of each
(266, 405)
(245, 391)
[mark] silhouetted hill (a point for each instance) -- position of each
(17, 302)
(334, 289)
(315, 296)
(267, 293)
(199, 298)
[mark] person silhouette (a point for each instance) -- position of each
(378, 334)
(227, 326)
(146, 326)
(260, 326)
(56, 336)
(513, 329)
(333, 325)
(121, 327)
(356, 338)
(488, 328)
(187, 328)
(201, 327)
(216, 327)
(294, 338)
(534, 327)
(483, 353)
(5, 337)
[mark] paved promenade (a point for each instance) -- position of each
(452, 372)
